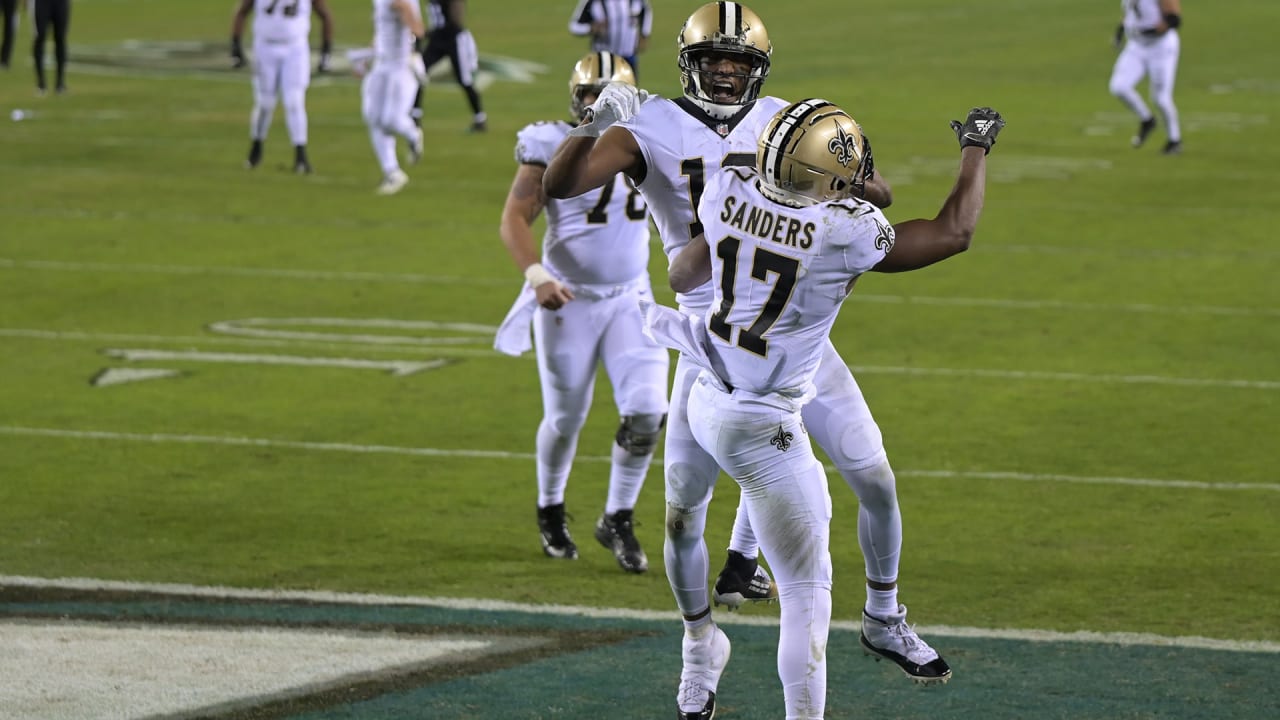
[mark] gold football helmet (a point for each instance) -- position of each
(723, 27)
(812, 151)
(592, 73)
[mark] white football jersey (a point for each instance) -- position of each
(281, 21)
(779, 276)
(392, 40)
(598, 238)
(681, 152)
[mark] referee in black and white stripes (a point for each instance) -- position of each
(621, 27)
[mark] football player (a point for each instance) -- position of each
(1149, 36)
(281, 67)
(386, 92)
(782, 245)
(46, 14)
(669, 148)
(581, 297)
(9, 9)
(450, 38)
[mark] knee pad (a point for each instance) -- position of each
(638, 434)
(684, 523)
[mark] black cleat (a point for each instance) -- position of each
(255, 155)
(743, 579)
(479, 126)
(615, 532)
(556, 541)
(300, 164)
(893, 639)
(1144, 129)
(1173, 147)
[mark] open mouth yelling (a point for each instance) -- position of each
(723, 91)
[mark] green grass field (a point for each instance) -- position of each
(1082, 410)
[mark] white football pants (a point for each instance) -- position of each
(1156, 59)
(571, 343)
(281, 70)
(386, 97)
(764, 447)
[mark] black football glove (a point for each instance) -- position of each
(979, 129)
(326, 51)
(237, 53)
(1118, 39)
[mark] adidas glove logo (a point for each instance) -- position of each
(983, 126)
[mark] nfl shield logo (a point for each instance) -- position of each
(723, 129)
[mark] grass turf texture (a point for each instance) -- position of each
(128, 219)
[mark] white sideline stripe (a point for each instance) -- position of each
(1120, 638)
(1075, 377)
(1144, 308)
(863, 369)
(245, 342)
(399, 368)
(505, 455)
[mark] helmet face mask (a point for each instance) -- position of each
(714, 33)
(810, 152)
(591, 73)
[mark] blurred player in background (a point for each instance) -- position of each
(778, 294)
(281, 67)
(8, 8)
(449, 37)
(582, 298)
(48, 14)
(668, 148)
(387, 90)
(621, 27)
(1150, 46)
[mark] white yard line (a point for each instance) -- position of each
(439, 346)
(164, 438)
(413, 278)
(1121, 638)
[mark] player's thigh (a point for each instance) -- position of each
(295, 69)
(1162, 66)
(839, 418)
(268, 68)
(566, 343)
(1129, 68)
(689, 470)
(637, 366)
(790, 510)
(398, 97)
(466, 57)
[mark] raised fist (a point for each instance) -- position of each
(979, 129)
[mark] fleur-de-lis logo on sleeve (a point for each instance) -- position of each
(782, 439)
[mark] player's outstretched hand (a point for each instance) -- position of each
(979, 129)
(617, 102)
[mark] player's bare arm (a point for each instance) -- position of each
(919, 243)
(692, 267)
(586, 163)
(525, 202)
(237, 30)
(321, 10)
(411, 19)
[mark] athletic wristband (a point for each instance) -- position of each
(537, 275)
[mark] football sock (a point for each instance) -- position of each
(882, 603)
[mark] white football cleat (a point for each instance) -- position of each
(415, 147)
(704, 660)
(393, 183)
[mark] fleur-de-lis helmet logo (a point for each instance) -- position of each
(844, 146)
